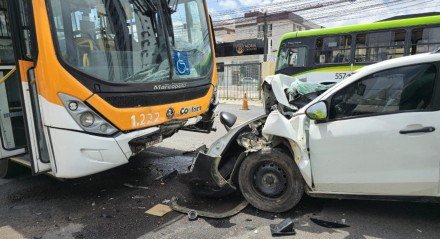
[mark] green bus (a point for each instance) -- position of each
(332, 54)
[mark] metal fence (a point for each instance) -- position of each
(235, 80)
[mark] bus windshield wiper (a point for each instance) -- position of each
(140, 4)
(142, 72)
(173, 7)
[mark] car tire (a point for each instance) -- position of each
(271, 181)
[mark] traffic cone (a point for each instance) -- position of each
(245, 105)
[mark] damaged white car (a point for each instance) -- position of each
(371, 136)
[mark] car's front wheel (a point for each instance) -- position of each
(271, 181)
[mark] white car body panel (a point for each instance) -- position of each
(363, 156)
(368, 155)
(278, 125)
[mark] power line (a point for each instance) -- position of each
(255, 30)
(325, 12)
(372, 9)
(266, 6)
(303, 7)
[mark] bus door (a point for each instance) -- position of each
(12, 130)
(27, 129)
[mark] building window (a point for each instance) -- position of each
(380, 46)
(425, 40)
(261, 30)
(336, 49)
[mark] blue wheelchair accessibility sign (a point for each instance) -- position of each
(181, 63)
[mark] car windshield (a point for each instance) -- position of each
(301, 93)
(118, 41)
(192, 55)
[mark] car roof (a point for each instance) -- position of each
(384, 65)
(401, 61)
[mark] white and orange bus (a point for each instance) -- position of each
(86, 84)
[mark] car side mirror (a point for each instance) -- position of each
(317, 111)
(228, 120)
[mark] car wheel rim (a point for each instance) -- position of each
(270, 180)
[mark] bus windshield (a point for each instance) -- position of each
(119, 41)
(192, 50)
(291, 57)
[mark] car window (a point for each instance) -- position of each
(400, 89)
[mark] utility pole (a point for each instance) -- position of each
(266, 41)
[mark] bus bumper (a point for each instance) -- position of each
(77, 154)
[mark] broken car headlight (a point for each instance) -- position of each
(85, 117)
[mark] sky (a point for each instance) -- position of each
(224, 9)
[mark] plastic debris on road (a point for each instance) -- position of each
(328, 224)
(283, 228)
(159, 210)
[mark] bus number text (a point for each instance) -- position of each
(341, 76)
(144, 119)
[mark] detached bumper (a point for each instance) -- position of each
(205, 179)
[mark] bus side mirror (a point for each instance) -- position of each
(317, 111)
(228, 120)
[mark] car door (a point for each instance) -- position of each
(382, 136)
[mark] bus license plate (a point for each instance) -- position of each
(155, 140)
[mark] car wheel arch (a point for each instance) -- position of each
(293, 149)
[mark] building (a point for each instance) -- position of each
(241, 45)
(243, 40)
(225, 32)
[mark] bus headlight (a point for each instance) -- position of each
(73, 105)
(85, 117)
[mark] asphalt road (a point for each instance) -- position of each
(113, 204)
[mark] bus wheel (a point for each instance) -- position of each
(271, 181)
(8, 169)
